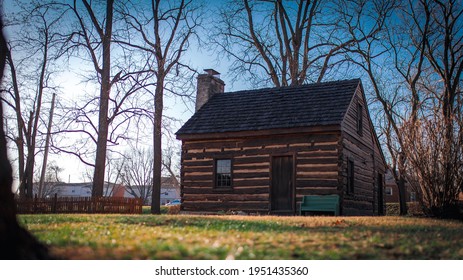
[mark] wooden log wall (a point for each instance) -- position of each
(368, 162)
(316, 159)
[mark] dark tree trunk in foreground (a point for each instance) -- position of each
(15, 242)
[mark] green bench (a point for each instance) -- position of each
(320, 203)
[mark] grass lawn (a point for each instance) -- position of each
(246, 237)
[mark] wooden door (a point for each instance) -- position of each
(282, 185)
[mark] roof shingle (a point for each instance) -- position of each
(271, 108)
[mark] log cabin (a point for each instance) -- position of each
(261, 151)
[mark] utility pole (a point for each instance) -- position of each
(47, 146)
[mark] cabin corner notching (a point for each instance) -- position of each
(262, 151)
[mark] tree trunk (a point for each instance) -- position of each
(400, 179)
(100, 159)
(158, 107)
(29, 173)
(20, 121)
(402, 196)
(35, 116)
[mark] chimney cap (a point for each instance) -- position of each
(212, 72)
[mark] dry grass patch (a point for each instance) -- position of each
(246, 237)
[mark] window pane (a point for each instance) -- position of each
(388, 191)
(223, 166)
(223, 180)
(223, 173)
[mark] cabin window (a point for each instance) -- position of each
(223, 172)
(359, 118)
(350, 176)
(388, 191)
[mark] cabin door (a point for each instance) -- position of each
(282, 185)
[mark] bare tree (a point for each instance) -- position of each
(285, 42)
(440, 104)
(51, 180)
(95, 37)
(114, 176)
(79, 129)
(115, 105)
(15, 241)
(415, 73)
(170, 164)
(171, 153)
(164, 29)
(436, 162)
(135, 166)
(27, 88)
(137, 175)
(371, 55)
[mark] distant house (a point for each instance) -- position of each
(412, 191)
(391, 191)
(74, 189)
(80, 189)
(263, 150)
(168, 195)
(170, 190)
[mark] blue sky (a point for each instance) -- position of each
(72, 88)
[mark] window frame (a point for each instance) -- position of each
(216, 187)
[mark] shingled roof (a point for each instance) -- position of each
(309, 105)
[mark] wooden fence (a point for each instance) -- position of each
(56, 204)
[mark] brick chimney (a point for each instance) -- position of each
(208, 85)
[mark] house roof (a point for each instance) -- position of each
(309, 105)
